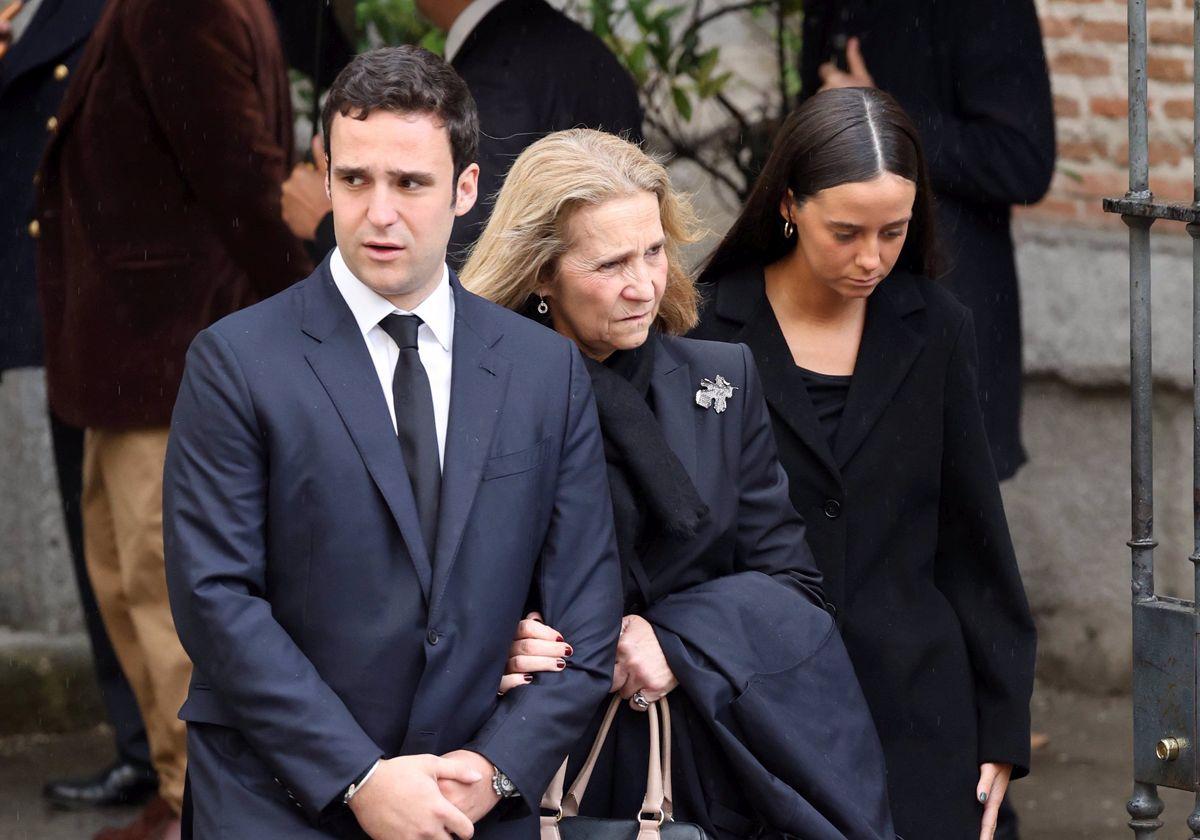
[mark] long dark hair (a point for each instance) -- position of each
(839, 136)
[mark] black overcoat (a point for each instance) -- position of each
(907, 525)
(770, 725)
(972, 75)
(532, 71)
(33, 77)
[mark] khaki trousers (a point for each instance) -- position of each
(123, 548)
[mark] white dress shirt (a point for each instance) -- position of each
(465, 23)
(435, 338)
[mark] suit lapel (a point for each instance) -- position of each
(887, 352)
(783, 386)
(70, 23)
(673, 387)
(343, 364)
(479, 382)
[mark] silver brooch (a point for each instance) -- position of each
(713, 394)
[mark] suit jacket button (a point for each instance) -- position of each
(432, 637)
(61, 72)
(35, 229)
(833, 508)
(52, 124)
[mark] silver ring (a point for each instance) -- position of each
(640, 701)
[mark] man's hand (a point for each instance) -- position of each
(475, 799)
(856, 76)
(402, 800)
(305, 197)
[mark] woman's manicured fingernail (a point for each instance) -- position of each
(559, 639)
(561, 664)
(983, 796)
(569, 650)
(529, 678)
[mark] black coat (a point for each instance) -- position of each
(533, 70)
(972, 75)
(906, 521)
(31, 87)
(770, 725)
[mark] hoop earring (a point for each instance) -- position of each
(788, 228)
(542, 306)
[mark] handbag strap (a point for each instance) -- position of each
(658, 799)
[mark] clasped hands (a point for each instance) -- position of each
(426, 797)
(641, 664)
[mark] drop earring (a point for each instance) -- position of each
(788, 228)
(542, 306)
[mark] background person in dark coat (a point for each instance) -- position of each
(159, 213)
(869, 374)
(972, 75)
(532, 70)
(723, 606)
(49, 39)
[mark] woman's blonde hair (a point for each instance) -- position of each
(566, 170)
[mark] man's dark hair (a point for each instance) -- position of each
(407, 80)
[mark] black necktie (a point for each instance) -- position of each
(415, 426)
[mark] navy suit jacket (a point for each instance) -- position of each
(323, 631)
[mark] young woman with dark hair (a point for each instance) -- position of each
(868, 368)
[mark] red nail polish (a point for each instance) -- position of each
(569, 650)
(559, 639)
(529, 678)
(561, 664)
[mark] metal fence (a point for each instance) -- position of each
(1166, 631)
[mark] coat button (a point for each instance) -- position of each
(52, 124)
(37, 177)
(35, 229)
(833, 508)
(61, 72)
(432, 637)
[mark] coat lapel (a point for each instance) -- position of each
(783, 388)
(479, 382)
(887, 352)
(343, 364)
(70, 22)
(673, 387)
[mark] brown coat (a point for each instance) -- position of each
(159, 203)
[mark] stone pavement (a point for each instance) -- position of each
(1078, 789)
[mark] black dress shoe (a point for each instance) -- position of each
(122, 783)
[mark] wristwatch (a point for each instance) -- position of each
(502, 785)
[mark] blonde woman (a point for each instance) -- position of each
(723, 604)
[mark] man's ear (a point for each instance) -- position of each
(466, 190)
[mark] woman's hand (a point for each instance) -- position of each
(641, 665)
(993, 784)
(536, 647)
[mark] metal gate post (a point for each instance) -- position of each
(1166, 631)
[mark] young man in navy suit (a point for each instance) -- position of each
(371, 477)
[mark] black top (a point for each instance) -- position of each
(972, 75)
(827, 393)
(907, 524)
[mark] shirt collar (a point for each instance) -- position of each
(369, 307)
(465, 23)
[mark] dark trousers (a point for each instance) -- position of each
(115, 692)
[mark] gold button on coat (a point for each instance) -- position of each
(61, 72)
(52, 124)
(35, 228)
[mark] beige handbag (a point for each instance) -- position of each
(654, 820)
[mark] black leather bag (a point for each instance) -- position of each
(655, 820)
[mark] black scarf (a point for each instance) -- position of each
(653, 497)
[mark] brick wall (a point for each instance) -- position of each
(1087, 50)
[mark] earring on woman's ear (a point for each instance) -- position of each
(542, 306)
(788, 228)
